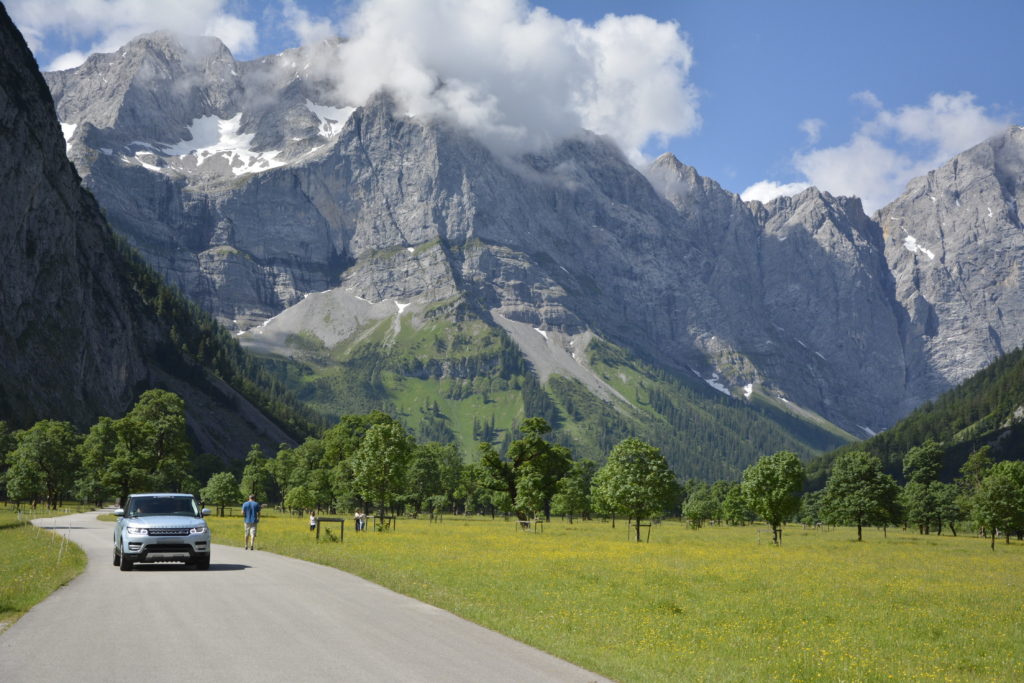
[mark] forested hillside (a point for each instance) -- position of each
(987, 409)
(196, 344)
(467, 382)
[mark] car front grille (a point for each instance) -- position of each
(168, 532)
(167, 548)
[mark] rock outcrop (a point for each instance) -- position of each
(76, 340)
(254, 184)
(954, 241)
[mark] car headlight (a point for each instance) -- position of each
(199, 529)
(137, 531)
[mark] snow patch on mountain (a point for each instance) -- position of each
(910, 242)
(715, 384)
(68, 129)
(213, 136)
(332, 119)
(139, 158)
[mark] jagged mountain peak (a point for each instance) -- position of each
(954, 242)
(804, 299)
(816, 209)
(78, 339)
(176, 47)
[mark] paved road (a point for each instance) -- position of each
(254, 616)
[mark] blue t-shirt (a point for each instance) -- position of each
(251, 510)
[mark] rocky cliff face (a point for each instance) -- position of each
(76, 341)
(68, 345)
(954, 242)
(254, 185)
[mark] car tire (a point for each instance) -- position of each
(203, 563)
(117, 558)
(126, 564)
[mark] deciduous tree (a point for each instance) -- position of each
(379, 464)
(635, 481)
(256, 476)
(998, 504)
(734, 507)
(772, 489)
(222, 490)
(700, 507)
(44, 462)
(859, 492)
(153, 449)
(573, 495)
(549, 462)
(923, 463)
(97, 452)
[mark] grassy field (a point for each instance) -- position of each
(711, 604)
(33, 563)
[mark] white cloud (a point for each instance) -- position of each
(517, 76)
(892, 148)
(522, 78)
(950, 122)
(307, 29)
(867, 97)
(812, 129)
(766, 190)
(863, 167)
(68, 60)
(105, 25)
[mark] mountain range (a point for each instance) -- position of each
(85, 325)
(378, 259)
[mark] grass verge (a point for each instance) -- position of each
(34, 563)
(712, 604)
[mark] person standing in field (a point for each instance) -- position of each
(251, 517)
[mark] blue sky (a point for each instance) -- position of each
(856, 97)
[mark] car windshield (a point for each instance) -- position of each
(145, 507)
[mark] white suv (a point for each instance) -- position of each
(161, 527)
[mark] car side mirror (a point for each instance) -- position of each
(119, 512)
(206, 512)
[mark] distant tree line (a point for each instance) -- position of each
(859, 492)
(372, 462)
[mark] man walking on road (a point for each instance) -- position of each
(251, 515)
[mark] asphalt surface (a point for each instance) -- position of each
(253, 616)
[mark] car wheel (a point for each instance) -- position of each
(203, 563)
(117, 558)
(126, 564)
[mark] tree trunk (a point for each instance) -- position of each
(859, 538)
(953, 529)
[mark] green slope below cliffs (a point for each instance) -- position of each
(453, 377)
